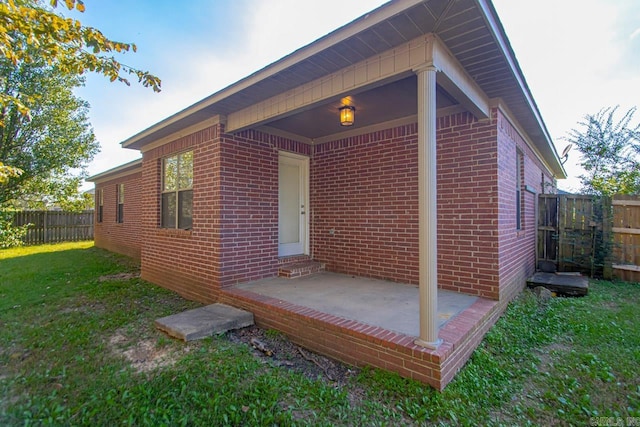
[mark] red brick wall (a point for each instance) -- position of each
(249, 196)
(235, 213)
(467, 205)
(516, 252)
(365, 188)
(123, 238)
(186, 261)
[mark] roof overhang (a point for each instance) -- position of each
(117, 172)
(469, 30)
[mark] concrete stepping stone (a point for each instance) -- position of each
(204, 322)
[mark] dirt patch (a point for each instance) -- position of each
(273, 348)
(278, 350)
(119, 276)
(550, 353)
(610, 305)
(83, 305)
(145, 355)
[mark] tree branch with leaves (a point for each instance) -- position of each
(43, 56)
(610, 152)
(53, 146)
(31, 31)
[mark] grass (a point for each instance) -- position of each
(78, 350)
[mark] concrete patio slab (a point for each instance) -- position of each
(392, 306)
(204, 321)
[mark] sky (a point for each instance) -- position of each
(577, 56)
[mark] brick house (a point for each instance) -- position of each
(117, 209)
(404, 147)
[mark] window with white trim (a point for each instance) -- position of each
(177, 191)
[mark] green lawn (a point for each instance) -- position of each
(75, 341)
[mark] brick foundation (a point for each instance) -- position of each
(360, 344)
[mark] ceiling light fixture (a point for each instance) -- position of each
(347, 115)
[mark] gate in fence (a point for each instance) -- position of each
(568, 232)
(592, 235)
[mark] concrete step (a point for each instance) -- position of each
(300, 269)
(204, 322)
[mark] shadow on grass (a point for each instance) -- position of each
(25, 251)
(32, 275)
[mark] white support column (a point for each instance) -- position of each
(427, 200)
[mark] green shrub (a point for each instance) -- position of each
(10, 235)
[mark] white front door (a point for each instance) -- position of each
(293, 190)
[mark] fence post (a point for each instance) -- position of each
(44, 227)
(607, 238)
(562, 207)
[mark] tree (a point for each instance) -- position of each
(30, 32)
(53, 145)
(610, 152)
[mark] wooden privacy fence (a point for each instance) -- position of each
(55, 226)
(626, 238)
(567, 232)
(594, 236)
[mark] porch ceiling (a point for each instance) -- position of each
(469, 28)
(389, 102)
